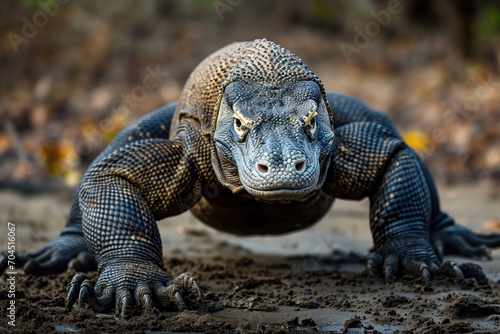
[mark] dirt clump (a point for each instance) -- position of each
(352, 323)
(465, 307)
(263, 295)
(392, 301)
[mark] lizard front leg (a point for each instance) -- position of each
(369, 160)
(69, 250)
(121, 198)
(447, 238)
(400, 215)
(400, 211)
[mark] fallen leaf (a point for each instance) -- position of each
(491, 225)
(417, 140)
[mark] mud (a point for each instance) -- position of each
(264, 295)
(312, 281)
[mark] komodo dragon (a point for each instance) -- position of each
(250, 148)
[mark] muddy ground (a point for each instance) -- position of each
(266, 284)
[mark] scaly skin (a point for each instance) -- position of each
(251, 150)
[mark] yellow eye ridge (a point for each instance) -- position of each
(248, 124)
(311, 115)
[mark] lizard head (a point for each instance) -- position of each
(268, 119)
(278, 137)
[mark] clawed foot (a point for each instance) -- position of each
(64, 252)
(128, 284)
(457, 240)
(420, 261)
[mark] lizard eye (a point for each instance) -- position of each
(311, 122)
(240, 129)
(313, 125)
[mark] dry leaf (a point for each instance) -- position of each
(417, 140)
(492, 225)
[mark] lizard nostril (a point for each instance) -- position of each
(262, 168)
(300, 165)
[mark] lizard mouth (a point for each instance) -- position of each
(282, 194)
(284, 190)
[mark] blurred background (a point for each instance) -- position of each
(74, 73)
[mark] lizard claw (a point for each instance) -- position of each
(394, 265)
(74, 287)
(143, 297)
(405, 257)
(172, 294)
(129, 284)
(473, 270)
(68, 251)
(124, 303)
(81, 289)
(451, 268)
(457, 240)
(391, 263)
(83, 262)
(424, 273)
(460, 272)
(374, 263)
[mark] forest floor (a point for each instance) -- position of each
(266, 284)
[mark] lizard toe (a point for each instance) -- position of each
(391, 268)
(457, 240)
(124, 303)
(473, 270)
(452, 269)
(82, 290)
(4, 260)
(74, 290)
(20, 260)
(460, 272)
(425, 275)
(187, 283)
(172, 295)
(423, 269)
(54, 257)
(126, 284)
(83, 262)
(143, 295)
(17, 261)
(397, 259)
(374, 262)
(44, 265)
(490, 240)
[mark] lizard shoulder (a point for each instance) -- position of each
(360, 153)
